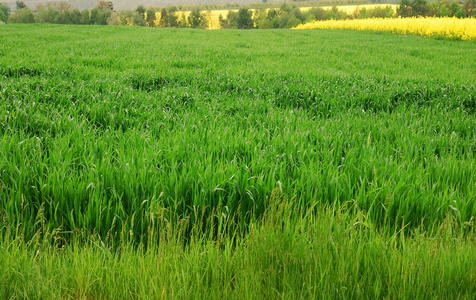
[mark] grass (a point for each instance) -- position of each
(141, 163)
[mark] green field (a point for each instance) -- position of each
(148, 163)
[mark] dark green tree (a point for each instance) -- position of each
(3, 18)
(293, 22)
(150, 17)
(22, 15)
(469, 8)
(100, 14)
(141, 10)
(405, 9)
(222, 21)
(419, 8)
(75, 16)
(454, 8)
(183, 23)
(196, 18)
(232, 20)
(171, 20)
(163, 18)
(47, 14)
(5, 10)
(245, 18)
(138, 18)
(85, 17)
(94, 16)
(20, 4)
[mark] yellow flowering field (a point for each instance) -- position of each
(464, 29)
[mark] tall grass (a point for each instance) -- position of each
(320, 252)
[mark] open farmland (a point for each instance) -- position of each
(324, 162)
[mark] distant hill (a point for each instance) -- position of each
(125, 4)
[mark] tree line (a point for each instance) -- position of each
(58, 13)
(286, 16)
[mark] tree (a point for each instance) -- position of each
(163, 16)
(105, 5)
(21, 4)
(183, 21)
(469, 8)
(47, 14)
(171, 19)
(221, 21)
(3, 18)
(405, 9)
(245, 19)
(75, 16)
(85, 18)
(195, 19)
(293, 22)
(100, 14)
(138, 18)
(22, 15)
(419, 8)
(232, 20)
(454, 8)
(150, 17)
(94, 16)
(141, 10)
(5, 10)
(66, 17)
